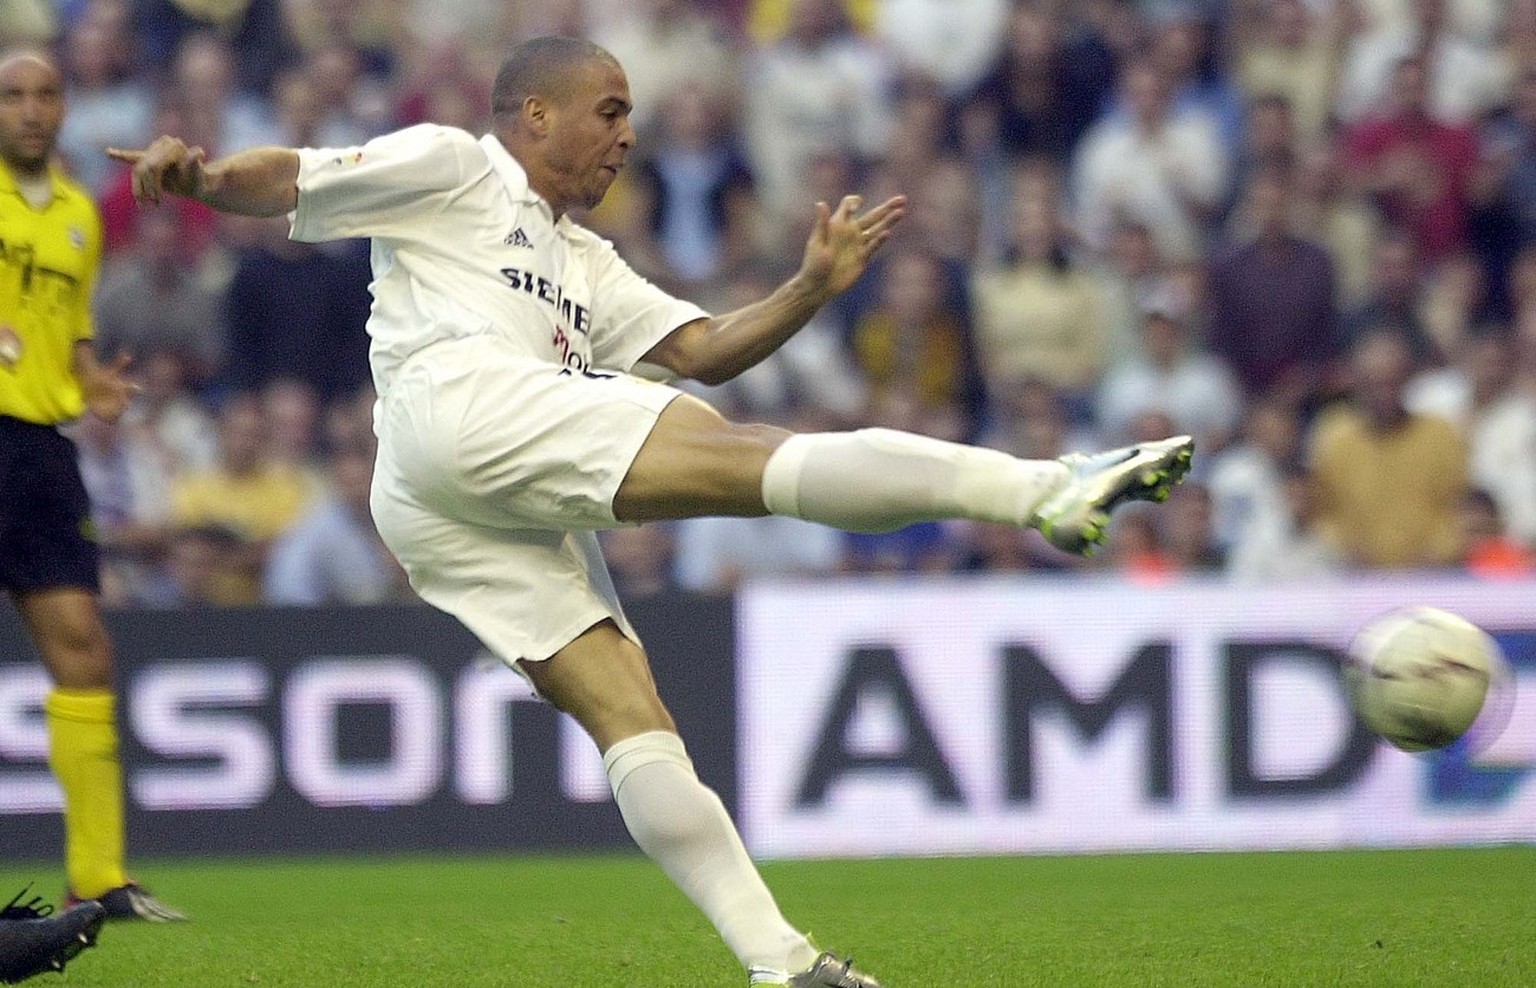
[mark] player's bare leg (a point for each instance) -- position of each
(604, 680)
(877, 480)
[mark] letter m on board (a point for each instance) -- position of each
(1031, 688)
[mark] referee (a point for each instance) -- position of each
(50, 248)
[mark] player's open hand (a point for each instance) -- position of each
(167, 165)
(108, 389)
(843, 240)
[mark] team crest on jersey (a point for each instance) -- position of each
(77, 238)
(517, 238)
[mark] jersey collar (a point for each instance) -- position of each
(60, 190)
(514, 178)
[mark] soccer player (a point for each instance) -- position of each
(50, 246)
(33, 940)
(513, 419)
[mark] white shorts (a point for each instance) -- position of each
(494, 471)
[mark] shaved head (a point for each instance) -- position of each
(543, 67)
(31, 109)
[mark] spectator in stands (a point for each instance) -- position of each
(1182, 48)
(1157, 166)
(296, 311)
(697, 183)
(1136, 551)
(1464, 78)
(1509, 150)
(351, 106)
(1268, 141)
(255, 31)
(204, 567)
(291, 409)
(129, 487)
(152, 300)
(640, 559)
(247, 493)
(1272, 298)
(1415, 168)
(110, 103)
(1040, 314)
(1188, 533)
(820, 88)
(1127, 272)
(1495, 408)
(1488, 551)
(1346, 226)
(1169, 373)
(1290, 50)
(951, 43)
(205, 75)
(1397, 281)
(1292, 549)
(1248, 503)
(1389, 481)
(332, 554)
(714, 555)
(667, 46)
(373, 27)
(1048, 85)
(911, 344)
(170, 417)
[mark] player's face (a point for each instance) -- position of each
(31, 111)
(591, 134)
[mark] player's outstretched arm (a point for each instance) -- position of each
(258, 182)
(837, 252)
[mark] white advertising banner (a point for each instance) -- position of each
(1012, 715)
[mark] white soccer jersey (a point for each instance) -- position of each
(462, 246)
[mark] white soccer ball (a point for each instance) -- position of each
(1418, 677)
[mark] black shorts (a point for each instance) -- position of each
(47, 538)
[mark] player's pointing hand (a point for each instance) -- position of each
(167, 165)
(843, 240)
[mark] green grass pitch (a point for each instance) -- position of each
(1446, 918)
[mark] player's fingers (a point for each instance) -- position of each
(823, 221)
(885, 224)
(128, 157)
(894, 206)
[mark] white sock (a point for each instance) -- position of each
(682, 825)
(879, 480)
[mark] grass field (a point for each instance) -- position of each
(1447, 919)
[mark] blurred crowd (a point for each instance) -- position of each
(1303, 231)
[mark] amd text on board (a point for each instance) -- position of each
(989, 716)
(1032, 692)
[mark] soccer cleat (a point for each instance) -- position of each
(1076, 518)
(829, 971)
(34, 940)
(133, 901)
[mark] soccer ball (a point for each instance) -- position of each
(1418, 676)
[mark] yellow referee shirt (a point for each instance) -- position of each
(48, 263)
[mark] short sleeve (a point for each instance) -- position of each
(631, 315)
(385, 187)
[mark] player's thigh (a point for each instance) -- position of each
(603, 679)
(696, 463)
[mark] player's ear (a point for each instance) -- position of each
(535, 114)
